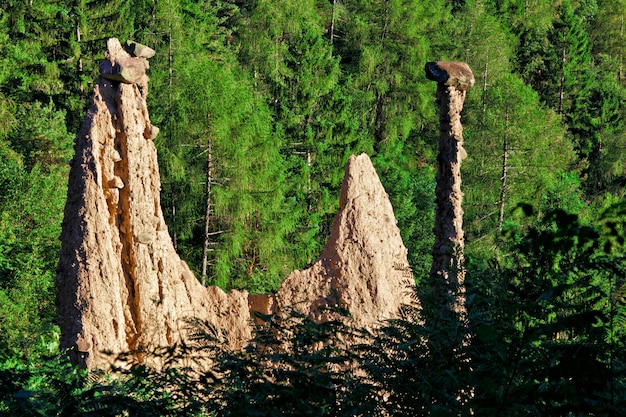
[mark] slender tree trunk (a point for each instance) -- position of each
(379, 121)
(207, 212)
(485, 86)
(332, 22)
(309, 191)
(80, 23)
(505, 168)
(386, 19)
(503, 184)
(174, 234)
(170, 63)
(562, 81)
(620, 71)
(80, 58)
(526, 8)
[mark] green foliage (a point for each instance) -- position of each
(519, 154)
(279, 374)
(41, 136)
(550, 325)
(207, 109)
(542, 337)
(295, 65)
(414, 365)
(32, 195)
(384, 46)
(30, 223)
(293, 367)
(608, 35)
(580, 76)
(282, 92)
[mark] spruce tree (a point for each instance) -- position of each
(34, 149)
(231, 215)
(293, 63)
(517, 150)
(383, 47)
(609, 35)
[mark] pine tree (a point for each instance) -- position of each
(517, 150)
(522, 15)
(294, 65)
(607, 112)
(609, 35)
(222, 171)
(517, 157)
(607, 120)
(383, 47)
(34, 149)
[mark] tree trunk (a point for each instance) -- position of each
(503, 185)
(309, 189)
(174, 234)
(505, 168)
(562, 81)
(80, 58)
(207, 212)
(379, 122)
(332, 23)
(485, 86)
(620, 71)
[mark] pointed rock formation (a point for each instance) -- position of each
(363, 267)
(122, 287)
(120, 284)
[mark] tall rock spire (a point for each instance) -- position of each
(120, 284)
(453, 80)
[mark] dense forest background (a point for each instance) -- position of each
(259, 105)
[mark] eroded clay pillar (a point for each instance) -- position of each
(453, 80)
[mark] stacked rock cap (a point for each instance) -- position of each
(128, 69)
(456, 74)
(138, 50)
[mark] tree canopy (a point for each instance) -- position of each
(260, 103)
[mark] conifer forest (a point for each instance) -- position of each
(260, 103)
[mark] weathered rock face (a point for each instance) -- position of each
(453, 80)
(120, 284)
(122, 287)
(363, 267)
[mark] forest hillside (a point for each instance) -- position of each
(261, 103)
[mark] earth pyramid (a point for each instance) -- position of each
(122, 287)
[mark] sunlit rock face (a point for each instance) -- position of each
(122, 287)
(363, 267)
(120, 284)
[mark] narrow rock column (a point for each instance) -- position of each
(453, 80)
